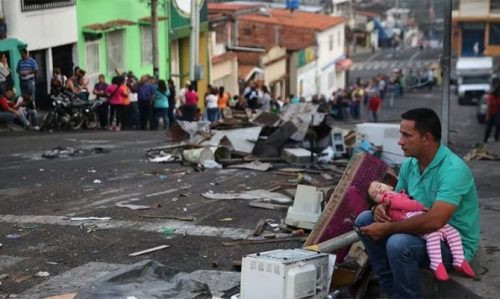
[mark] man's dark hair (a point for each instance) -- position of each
(426, 121)
(24, 51)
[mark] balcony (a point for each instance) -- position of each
(33, 5)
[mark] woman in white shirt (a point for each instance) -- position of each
(211, 104)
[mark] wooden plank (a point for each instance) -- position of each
(149, 250)
(263, 241)
(347, 200)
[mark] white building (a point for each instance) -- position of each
(50, 31)
(331, 59)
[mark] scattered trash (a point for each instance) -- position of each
(263, 195)
(90, 218)
(97, 181)
(41, 170)
(145, 279)
(481, 154)
(198, 155)
(228, 219)
(180, 218)
(255, 165)
(327, 155)
(267, 206)
(149, 250)
(13, 236)
(91, 171)
(69, 152)
(211, 164)
(42, 274)
(132, 206)
(163, 177)
(167, 231)
(162, 159)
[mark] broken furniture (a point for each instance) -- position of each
(306, 207)
(347, 200)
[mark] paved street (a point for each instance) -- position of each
(368, 65)
(39, 195)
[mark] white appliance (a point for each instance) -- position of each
(286, 274)
(385, 135)
(306, 207)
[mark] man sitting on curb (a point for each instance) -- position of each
(8, 113)
(444, 184)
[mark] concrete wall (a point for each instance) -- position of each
(98, 11)
(471, 8)
(226, 74)
(41, 29)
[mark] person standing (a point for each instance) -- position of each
(160, 105)
(5, 74)
(27, 68)
(265, 100)
(222, 101)
(190, 105)
(171, 101)
(493, 113)
(374, 106)
(145, 94)
(444, 184)
(100, 92)
(116, 92)
(211, 104)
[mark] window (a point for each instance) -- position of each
(115, 50)
(339, 38)
(92, 52)
(495, 34)
(330, 42)
(31, 5)
(495, 6)
(146, 45)
(93, 65)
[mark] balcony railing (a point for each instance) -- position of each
(32, 5)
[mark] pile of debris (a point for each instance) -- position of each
(300, 135)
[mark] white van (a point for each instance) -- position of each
(474, 75)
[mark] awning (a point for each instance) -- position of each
(107, 26)
(148, 20)
(343, 64)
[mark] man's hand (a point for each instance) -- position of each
(376, 230)
(380, 213)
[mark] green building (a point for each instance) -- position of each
(116, 34)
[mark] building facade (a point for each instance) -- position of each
(116, 35)
(180, 29)
(476, 28)
(48, 29)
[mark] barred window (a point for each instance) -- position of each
(115, 49)
(31, 5)
(146, 45)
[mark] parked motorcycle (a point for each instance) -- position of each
(67, 112)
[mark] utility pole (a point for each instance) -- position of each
(445, 70)
(154, 32)
(194, 69)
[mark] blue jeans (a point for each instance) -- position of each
(157, 113)
(28, 85)
(7, 117)
(212, 114)
(398, 258)
(32, 116)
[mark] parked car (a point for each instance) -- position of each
(482, 109)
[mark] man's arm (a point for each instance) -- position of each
(437, 217)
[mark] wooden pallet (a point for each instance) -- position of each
(348, 200)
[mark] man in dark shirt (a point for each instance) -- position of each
(145, 94)
(100, 93)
